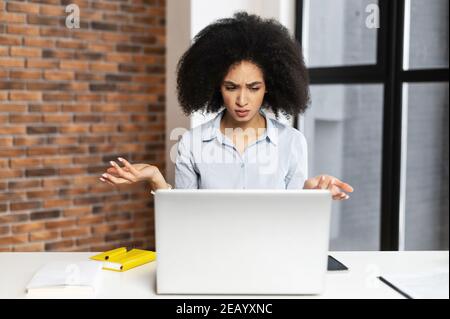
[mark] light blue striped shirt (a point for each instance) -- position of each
(206, 158)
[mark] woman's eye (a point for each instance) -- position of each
(230, 88)
(254, 89)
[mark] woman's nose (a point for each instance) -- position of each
(242, 98)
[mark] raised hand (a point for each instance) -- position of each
(133, 173)
(336, 186)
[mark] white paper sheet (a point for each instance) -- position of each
(430, 285)
(66, 278)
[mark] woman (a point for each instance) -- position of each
(239, 67)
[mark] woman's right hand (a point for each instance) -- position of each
(133, 173)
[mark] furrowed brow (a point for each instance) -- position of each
(248, 84)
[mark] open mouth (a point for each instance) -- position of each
(242, 113)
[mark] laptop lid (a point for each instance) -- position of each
(241, 241)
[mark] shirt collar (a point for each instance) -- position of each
(211, 131)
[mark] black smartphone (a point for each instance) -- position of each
(335, 265)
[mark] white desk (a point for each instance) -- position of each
(16, 269)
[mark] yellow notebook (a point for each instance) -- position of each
(125, 260)
(111, 253)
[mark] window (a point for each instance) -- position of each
(379, 118)
(426, 166)
(335, 36)
(345, 123)
(426, 34)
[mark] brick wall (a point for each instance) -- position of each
(70, 101)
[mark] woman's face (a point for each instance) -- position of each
(243, 90)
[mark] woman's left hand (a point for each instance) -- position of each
(333, 184)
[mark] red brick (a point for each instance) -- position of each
(76, 232)
(12, 62)
(25, 162)
(76, 192)
(6, 141)
(13, 218)
(25, 118)
(101, 47)
(103, 229)
(41, 64)
(57, 203)
(104, 67)
(40, 172)
(118, 236)
(78, 86)
(13, 240)
(55, 32)
(16, 108)
(25, 96)
(24, 205)
(42, 150)
(60, 224)
(58, 75)
(75, 65)
(59, 96)
(74, 128)
(89, 97)
(79, 108)
(25, 74)
(11, 152)
(25, 52)
(22, 29)
(43, 108)
(22, 7)
(77, 211)
(16, 129)
(3, 164)
(28, 227)
(90, 240)
(104, 128)
(60, 160)
(47, 214)
(119, 57)
(57, 11)
(71, 44)
(8, 17)
(57, 118)
(4, 230)
(44, 235)
(59, 245)
(89, 220)
(42, 193)
(29, 247)
(38, 42)
(56, 182)
(30, 183)
(10, 40)
(105, 6)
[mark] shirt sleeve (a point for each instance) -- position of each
(298, 168)
(185, 175)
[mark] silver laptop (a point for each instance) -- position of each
(242, 241)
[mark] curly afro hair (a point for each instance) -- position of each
(226, 42)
